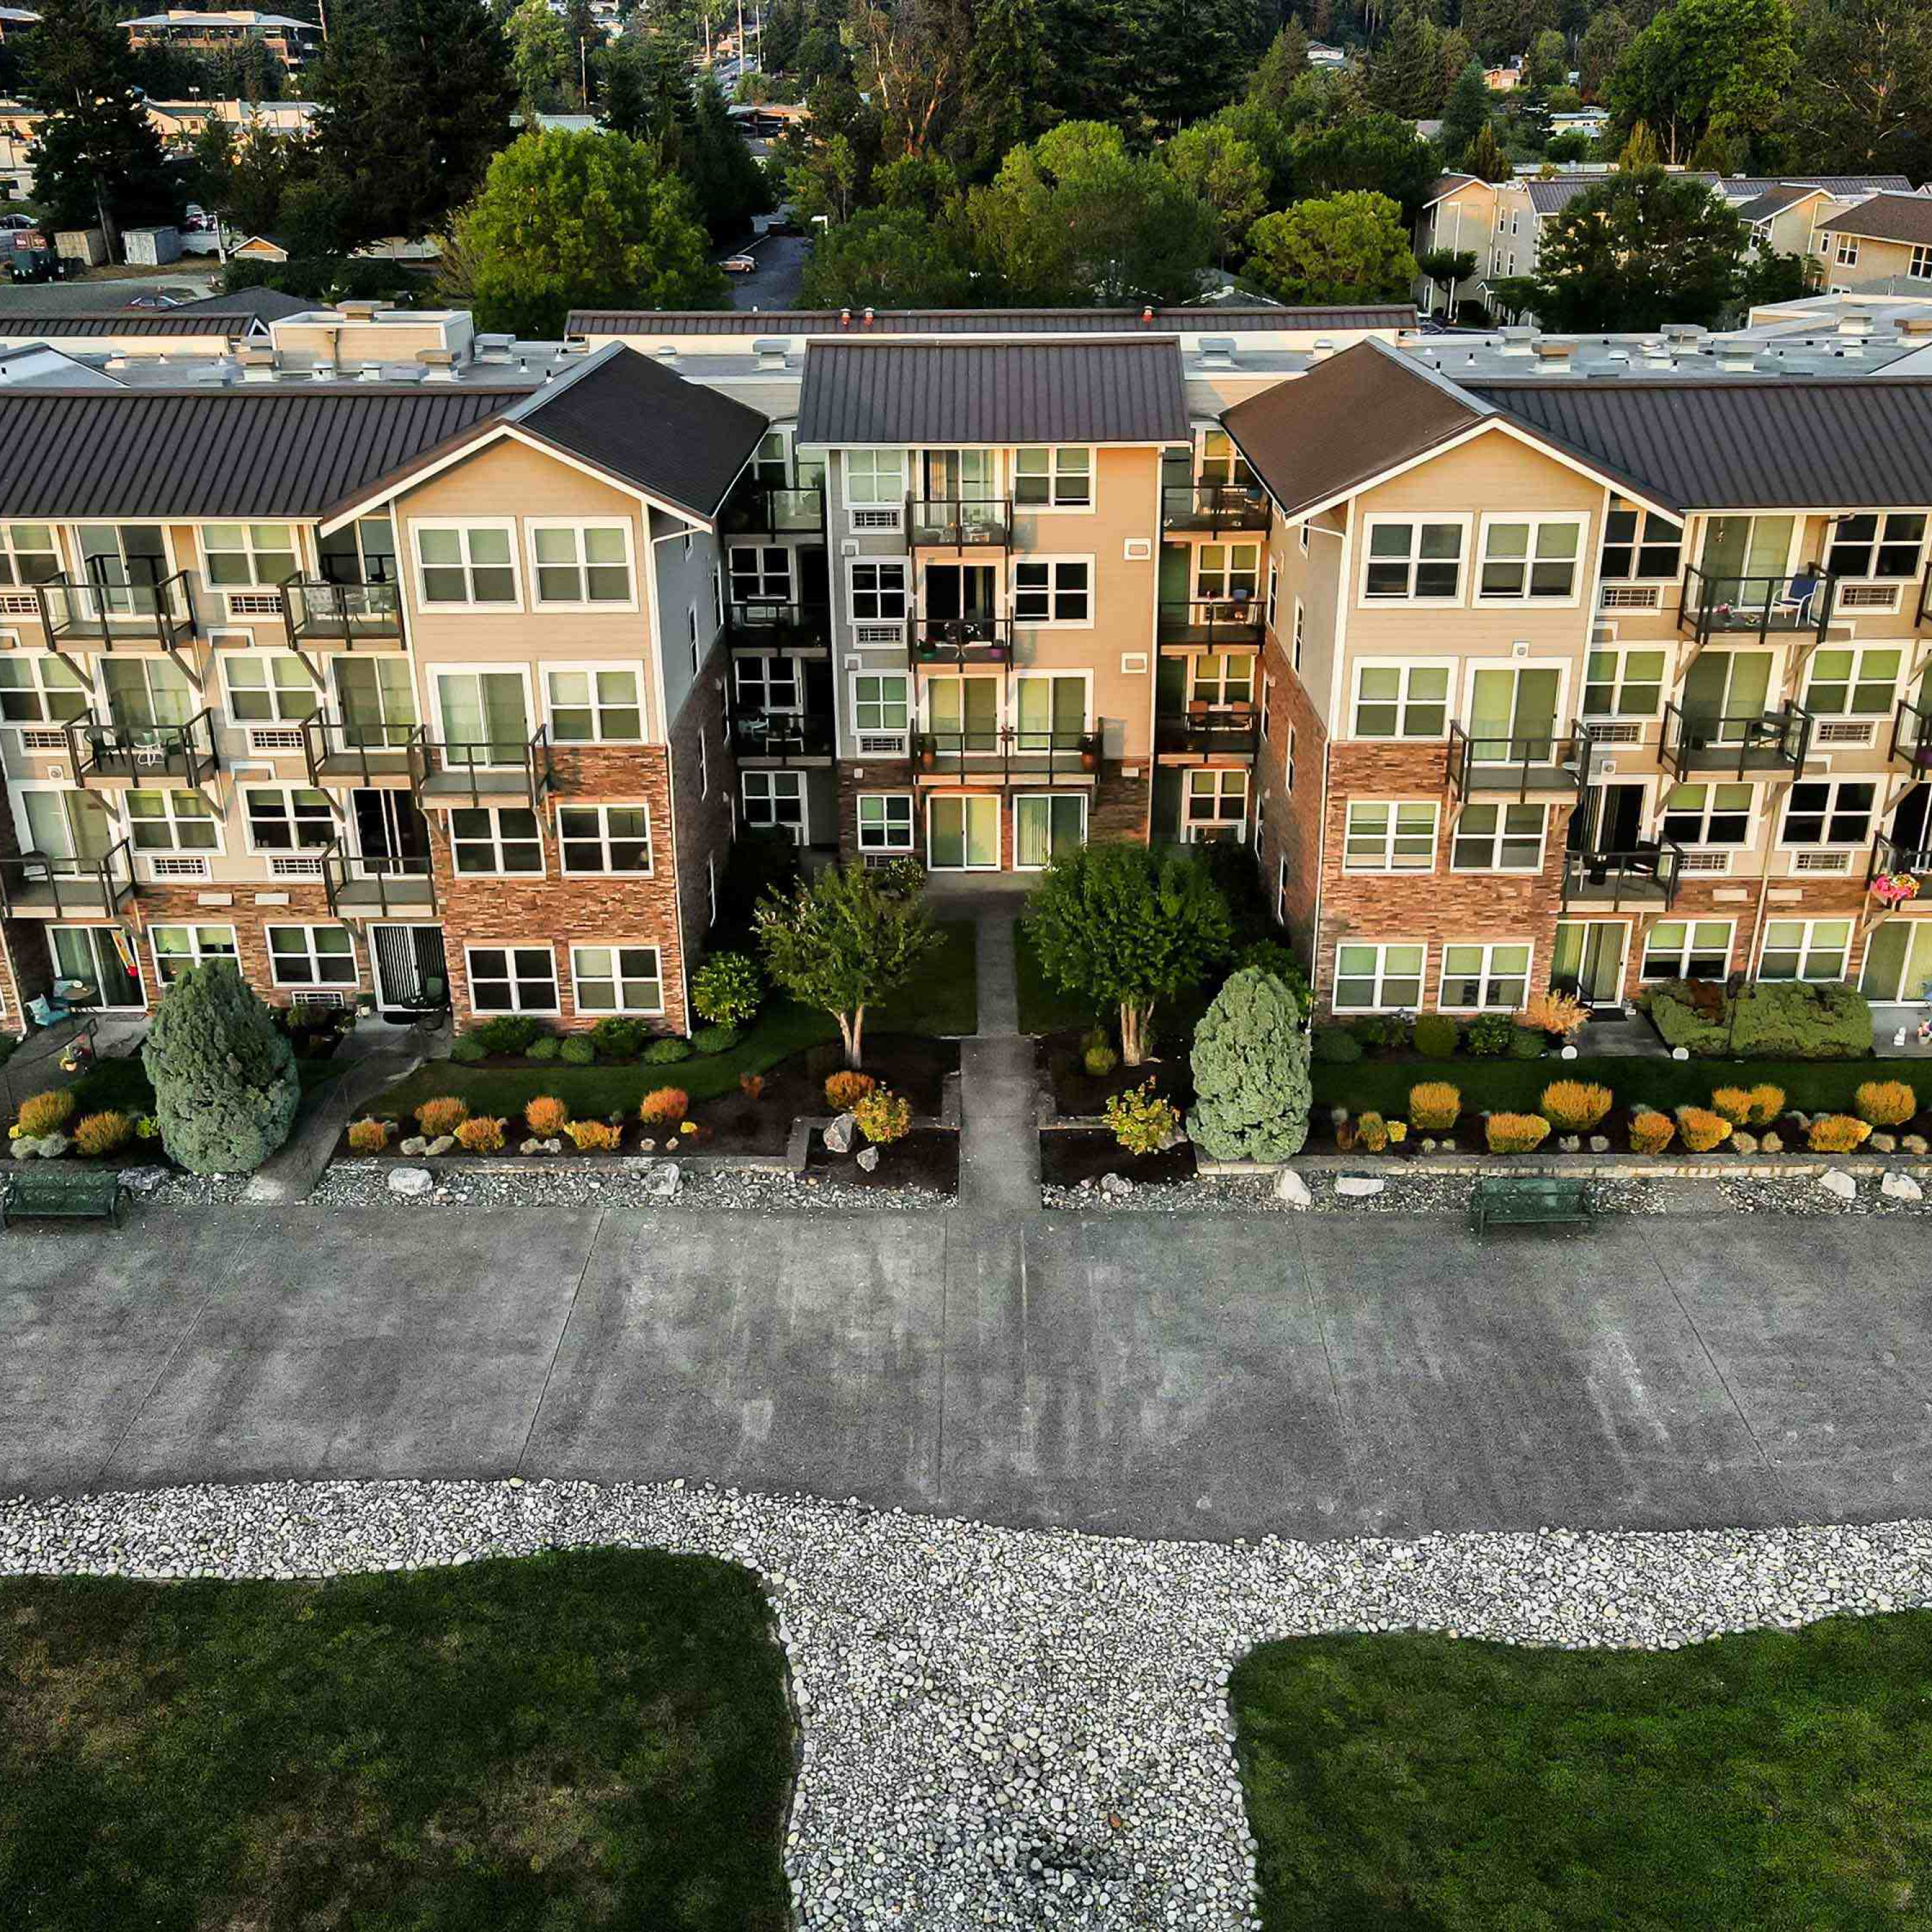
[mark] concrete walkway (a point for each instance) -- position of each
(999, 1146)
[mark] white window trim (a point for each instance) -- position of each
(546, 666)
(509, 947)
(1874, 818)
(496, 843)
(213, 817)
(1387, 864)
(1499, 837)
(310, 927)
(601, 807)
(1040, 672)
(1463, 519)
(228, 660)
(1382, 947)
(1620, 649)
(911, 822)
(933, 683)
(1637, 547)
(615, 946)
(880, 730)
(1199, 594)
(1848, 920)
(1754, 822)
(287, 790)
(1858, 651)
(1559, 727)
(204, 559)
(1050, 558)
(614, 605)
(907, 592)
(895, 503)
(723, 573)
(933, 799)
(801, 832)
(742, 686)
(1020, 799)
(1689, 924)
(1447, 665)
(438, 672)
(1877, 544)
(103, 927)
(1301, 636)
(194, 928)
(1488, 947)
(1053, 507)
(39, 661)
(429, 608)
(333, 700)
(1578, 520)
(1193, 831)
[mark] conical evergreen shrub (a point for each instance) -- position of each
(1251, 1084)
(224, 1077)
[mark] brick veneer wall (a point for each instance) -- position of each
(301, 905)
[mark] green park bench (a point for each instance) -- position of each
(61, 1193)
(1528, 1200)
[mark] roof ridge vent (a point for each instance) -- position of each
(1737, 358)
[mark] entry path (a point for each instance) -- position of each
(1207, 1375)
(999, 1147)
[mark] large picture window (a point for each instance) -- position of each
(466, 564)
(1687, 949)
(1805, 949)
(512, 978)
(179, 947)
(1402, 700)
(1379, 978)
(286, 818)
(1491, 978)
(311, 956)
(1418, 561)
(1526, 560)
(1390, 835)
(582, 563)
(617, 979)
(492, 839)
(605, 838)
(243, 556)
(594, 705)
(1053, 479)
(1498, 838)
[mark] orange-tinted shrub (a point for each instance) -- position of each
(545, 1116)
(663, 1107)
(440, 1117)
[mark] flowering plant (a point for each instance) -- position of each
(1895, 889)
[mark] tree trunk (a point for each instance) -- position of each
(1133, 1021)
(852, 1029)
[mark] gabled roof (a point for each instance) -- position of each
(1885, 218)
(993, 392)
(265, 304)
(1742, 188)
(1747, 443)
(1443, 186)
(1775, 201)
(1549, 197)
(187, 319)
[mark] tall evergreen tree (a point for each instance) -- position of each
(728, 184)
(1406, 74)
(1466, 112)
(1284, 63)
(1484, 157)
(1009, 79)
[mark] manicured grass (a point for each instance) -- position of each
(1813, 1085)
(1044, 1008)
(599, 1739)
(1781, 1781)
(121, 1085)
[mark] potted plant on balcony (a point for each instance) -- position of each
(927, 752)
(1892, 889)
(1090, 752)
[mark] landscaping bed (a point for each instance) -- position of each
(1069, 1157)
(1078, 1092)
(928, 1157)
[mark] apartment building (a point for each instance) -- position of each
(1882, 245)
(290, 41)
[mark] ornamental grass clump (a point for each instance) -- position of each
(1252, 1090)
(224, 1073)
(1560, 1015)
(593, 1136)
(480, 1134)
(1886, 1103)
(442, 1116)
(663, 1107)
(1837, 1133)
(1651, 1132)
(98, 1134)
(1371, 1133)
(1434, 1106)
(44, 1114)
(545, 1116)
(368, 1136)
(1574, 1106)
(1515, 1133)
(1734, 1103)
(1701, 1130)
(844, 1089)
(1142, 1121)
(884, 1116)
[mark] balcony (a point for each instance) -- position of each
(159, 614)
(961, 640)
(958, 522)
(1208, 731)
(774, 510)
(781, 737)
(1646, 876)
(1891, 859)
(1912, 736)
(1767, 741)
(37, 885)
(1923, 621)
(774, 627)
(1218, 508)
(359, 887)
(491, 771)
(1008, 757)
(339, 752)
(143, 755)
(1217, 624)
(1765, 608)
(1528, 765)
(340, 613)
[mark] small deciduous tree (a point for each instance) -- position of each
(1251, 1084)
(1127, 926)
(846, 938)
(224, 1077)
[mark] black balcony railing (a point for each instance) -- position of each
(161, 612)
(958, 522)
(1213, 506)
(756, 625)
(1891, 859)
(1923, 619)
(1526, 763)
(1646, 875)
(1760, 607)
(789, 737)
(774, 510)
(488, 770)
(184, 754)
(340, 750)
(1221, 623)
(961, 640)
(42, 885)
(1005, 755)
(1209, 731)
(347, 614)
(358, 885)
(1912, 735)
(1756, 741)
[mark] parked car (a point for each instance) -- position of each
(10, 221)
(739, 264)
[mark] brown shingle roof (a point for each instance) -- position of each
(1885, 218)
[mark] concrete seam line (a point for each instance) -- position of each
(563, 1329)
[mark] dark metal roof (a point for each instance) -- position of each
(648, 427)
(1348, 420)
(168, 321)
(662, 322)
(265, 304)
(1885, 218)
(230, 453)
(1737, 187)
(1775, 201)
(993, 392)
(1547, 197)
(1749, 443)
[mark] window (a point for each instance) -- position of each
(1300, 632)
(267, 687)
(1226, 573)
(1623, 684)
(1288, 780)
(173, 821)
(1498, 838)
(1049, 711)
(704, 764)
(1829, 812)
(285, 818)
(1056, 590)
(1267, 702)
(761, 573)
(582, 563)
(466, 564)
(878, 592)
(1853, 683)
(179, 947)
(775, 800)
(376, 699)
(885, 822)
(37, 688)
(617, 979)
(1529, 558)
(1046, 825)
(1221, 462)
(690, 636)
(143, 693)
(29, 554)
(240, 556)
(1274, 591)
(311, 956)
(1377, 978)
(1848, 249)
(1053, 479)
(1222, 678)
(595, 706)
(879, 702)
(1919, 269)
(1281, 892)
(1804, 948)
(486, 839)
(485, 714)
(772, 465)
(1402, 700)
(1387, 835)
(964, 712)
(767, 684)
(1418, 561)
(98, 965)
(1217, 803)
(1494, 978)
(363, 552)
(604, 838)
(1709, 814)
(1687, 949)
(512, 978)
(1874, 546)
(875, 477)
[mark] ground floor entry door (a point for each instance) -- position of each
(1589, 959)
(1898, 960)
(963, 833)
(411, 976)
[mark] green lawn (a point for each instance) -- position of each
(599, 1738)
(121, 1085)
(1780, 1782)
(1044, 1008)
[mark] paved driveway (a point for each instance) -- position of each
(1217, 1376)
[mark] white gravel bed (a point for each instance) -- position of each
(355, 1184)
(1013, 1728)
(1403, 1193)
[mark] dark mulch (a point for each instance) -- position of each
(927, 1157)
(1077, 1091)
(1070, 1156)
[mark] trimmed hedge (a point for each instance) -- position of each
(1778, 1019)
